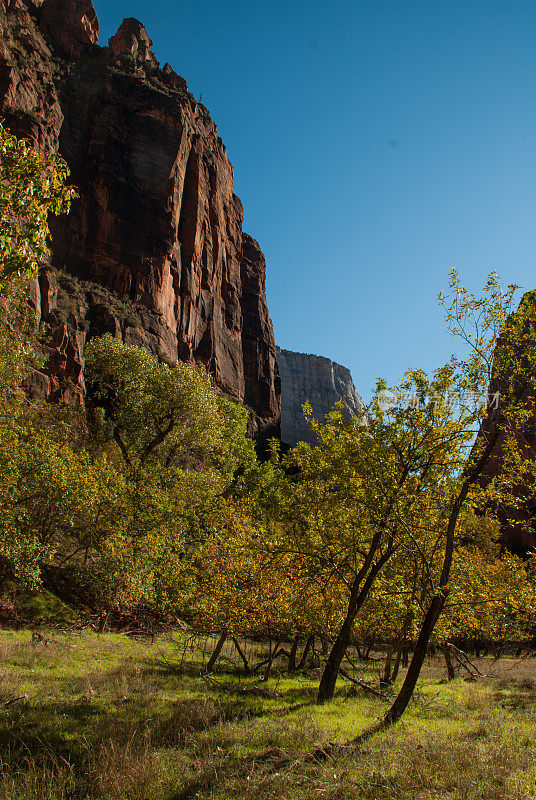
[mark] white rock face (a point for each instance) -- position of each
(318, 381)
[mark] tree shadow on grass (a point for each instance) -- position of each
(141, 709)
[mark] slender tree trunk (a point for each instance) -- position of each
(358, 594)
(408, 687)
(402, 652)
(267, 671)
(386, 679)
(241, 654)
(271, 659)
(292, 654)
(397, 649)
(217, 650)
(398, 660)
(103, 621)
(326, 689)
(308, 644)
(451, 672)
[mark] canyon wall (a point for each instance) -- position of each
(315, 380)
(517, 518)
(153, 251)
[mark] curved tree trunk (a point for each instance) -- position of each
(408, 687)
(440, 597)
(358, 594)
(217, 650)
(326, 689)
(308, 644)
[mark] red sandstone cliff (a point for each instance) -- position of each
(517, 520)
(153, 251)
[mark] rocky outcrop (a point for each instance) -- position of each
(29, 102)
(518, 518)
(261, 373)
(315, 380)
(133, 41)
(71, 26)
(157, 224)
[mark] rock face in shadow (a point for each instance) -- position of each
(315, 380)
(518, 520)
(71, 26)
(261, 372)
(157, 226)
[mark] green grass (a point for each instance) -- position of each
(43, 605)
(90, 717)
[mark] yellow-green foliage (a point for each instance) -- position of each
(156, 494)
(245, 586)
(119, 507)
(157, 413)
(32, 186)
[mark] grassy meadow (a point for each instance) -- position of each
(85, 717)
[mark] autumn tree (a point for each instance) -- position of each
(32, 186)
(366, 490)
(500, 352)
(492, 594)
(245, 587)
(160, 415)
(177, 445)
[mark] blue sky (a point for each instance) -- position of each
(375, 144)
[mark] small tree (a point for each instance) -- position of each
(32, 186)
(177, 445)
(365, 491)
(160, 416)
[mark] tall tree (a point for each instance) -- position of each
(500, 352)
(32, 186)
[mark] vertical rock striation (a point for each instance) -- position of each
(155, 239)
(261, 373)
(315, 380)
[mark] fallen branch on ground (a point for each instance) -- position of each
(364, 685)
